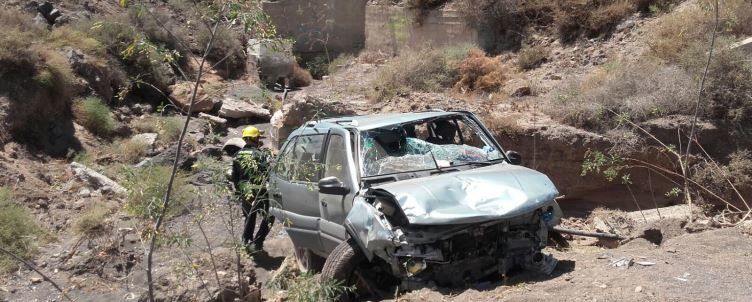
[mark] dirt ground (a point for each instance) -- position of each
(707, 266)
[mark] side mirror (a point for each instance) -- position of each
(332, 185)
(514, 157)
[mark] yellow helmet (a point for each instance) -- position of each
(252, 132)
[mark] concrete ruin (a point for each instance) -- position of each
(320, 26)
(330, 27)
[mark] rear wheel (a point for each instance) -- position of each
(308, 262)
(348, 266)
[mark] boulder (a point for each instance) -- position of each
(214, 120)
(146, 138)
(234, 108)
(518, 88)
(274, 59)
(181, 94)
(233, 145)
(95, 179)
(300, 109)
(98, 76)
(166, 158)
(49, 12)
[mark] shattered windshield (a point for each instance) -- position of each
(425, 145)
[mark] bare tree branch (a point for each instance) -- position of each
(697, 109)
(166, 201)
(32, 267)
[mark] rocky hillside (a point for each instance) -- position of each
(599, 95)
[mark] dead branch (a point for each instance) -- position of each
(166, 201)
(697, 111)
(32, 267)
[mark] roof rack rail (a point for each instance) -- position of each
(437, 110)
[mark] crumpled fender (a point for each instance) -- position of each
(370, 229)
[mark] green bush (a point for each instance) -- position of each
(146, 188)
(141, 57)
(318, 66)
(92, 113)
(171, 127)
(19, 232)
(308, 287)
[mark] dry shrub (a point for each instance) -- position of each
(638, 92)
(372, 57)
(37, 81)
(147, 124)
(531, 57)
(301, 77)
(130, 151)
(227, 48)
(339, 62)
(168, 127)
(425, 4)
(19, 231)
(93, 220)
(737, 170)
(675, 32)
(480, 72)
(729, 89)
(421, 69)
(504, 124)
(605, 18)
(67, 36)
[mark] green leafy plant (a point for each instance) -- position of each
(94, 115)
(146, 190)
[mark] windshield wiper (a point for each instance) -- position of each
(481, 163)
(435, 162)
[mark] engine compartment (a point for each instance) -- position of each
(475, 253)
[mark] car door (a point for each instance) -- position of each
(338, 162)
(294, 186)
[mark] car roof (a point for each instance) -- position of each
(366, 122)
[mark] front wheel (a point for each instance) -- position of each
(364, 280)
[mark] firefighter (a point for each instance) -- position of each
(249, 174)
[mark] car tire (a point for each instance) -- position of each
(341, 264)
(308, 261)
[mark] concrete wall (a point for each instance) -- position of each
(392, 28)
(318, 26)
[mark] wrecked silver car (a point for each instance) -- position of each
(410, 200)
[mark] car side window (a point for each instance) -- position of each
(336, 158)
(306, 158)
(285, 161)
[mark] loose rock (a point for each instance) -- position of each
(95, 179)
(181, 96)
(233, 108)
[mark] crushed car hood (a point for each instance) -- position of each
(471, 196)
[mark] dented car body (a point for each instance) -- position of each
(428, 197)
